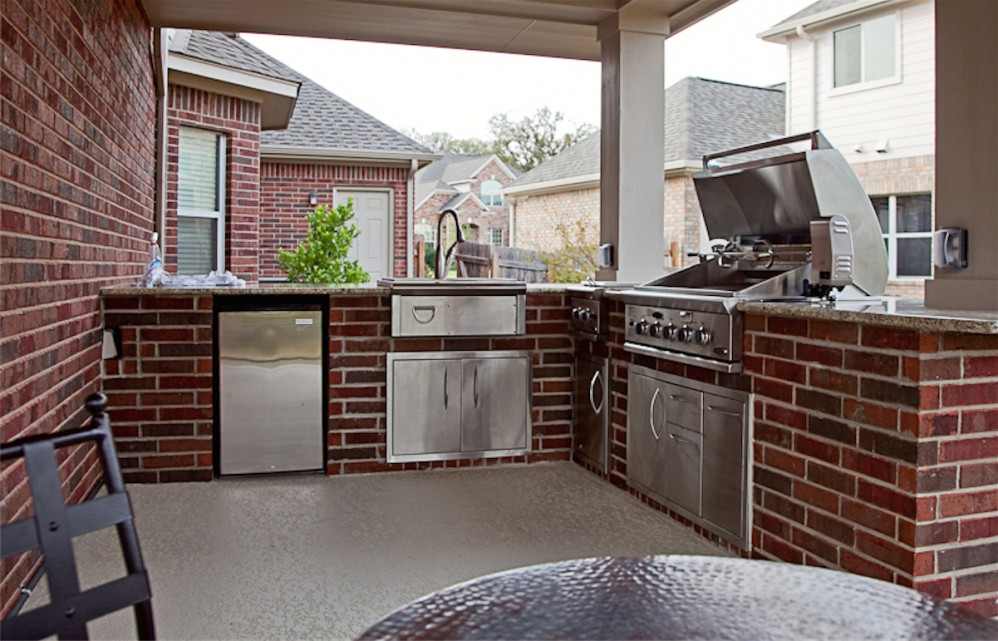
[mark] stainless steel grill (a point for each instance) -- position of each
(795, 225)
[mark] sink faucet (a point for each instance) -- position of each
(442, 265)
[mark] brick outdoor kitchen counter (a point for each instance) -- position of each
(875, 432)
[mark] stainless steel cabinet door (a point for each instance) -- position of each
(495, 404)
(682, 467)
(724, 471)
(426, 407)
(646, 428)
(591, 410)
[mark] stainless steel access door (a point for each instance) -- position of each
(271, 415)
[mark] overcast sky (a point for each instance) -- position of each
(431, 89)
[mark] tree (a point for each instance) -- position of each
(322, 258)
(532, 140)
(576, 260)
(442, 141)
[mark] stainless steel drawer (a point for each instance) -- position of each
(458, 315)
(683, 406)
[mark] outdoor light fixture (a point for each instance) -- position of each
(313, 198)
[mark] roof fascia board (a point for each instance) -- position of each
(232, 76)
(318, 154)
(780, 33)
(588, 181)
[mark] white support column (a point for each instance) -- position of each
(967, 151)
(632, 156)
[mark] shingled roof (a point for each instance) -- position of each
(452, 168)
(701, 117)
(321, 119)
(816, 12)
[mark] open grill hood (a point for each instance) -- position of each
(775, 199)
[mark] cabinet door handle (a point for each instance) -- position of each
(592, 395)
(680, 439)
(651, 413)
(445, 387)
(725, 412)
(476, 386)
(432, 309)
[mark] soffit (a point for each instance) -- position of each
(557, 28)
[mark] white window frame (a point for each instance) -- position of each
(219, 214)
(864, 85)
(892, 236)
(493, 230)
(492, 195)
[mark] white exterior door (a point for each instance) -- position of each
(372, 216)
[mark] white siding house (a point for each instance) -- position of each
(863, 72)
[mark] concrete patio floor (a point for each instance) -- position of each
(310, 557)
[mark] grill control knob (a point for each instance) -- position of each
(701, 336)
(641, 327)
(685, 334)
(655, 330)
(576, 313)
(669, 332)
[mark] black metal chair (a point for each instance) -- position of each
(53, 527)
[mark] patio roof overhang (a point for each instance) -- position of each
(556, 28)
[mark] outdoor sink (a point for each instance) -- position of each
(456, 306)
(453, 286)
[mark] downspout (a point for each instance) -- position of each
(814, 77)
(160, 45)
(410, 194)
(512, 221)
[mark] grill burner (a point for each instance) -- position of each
(793, 224)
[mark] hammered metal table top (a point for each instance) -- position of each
(679, 597)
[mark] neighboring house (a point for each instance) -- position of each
(470, 186)
(253, 146)
(864, 73)
(701, 116)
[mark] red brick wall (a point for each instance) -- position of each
(239, 120)
(78, 144)
(161, 390)
(876, 451)
(284, 190)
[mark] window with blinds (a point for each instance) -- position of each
(200, 201)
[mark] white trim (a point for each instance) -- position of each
(588, 181)
(260, 82)
(311, 154)
(578, 182)
(855, 87)
(782, 32)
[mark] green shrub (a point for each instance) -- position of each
(576, 260)
(322, 257)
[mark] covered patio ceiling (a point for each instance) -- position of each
(556, 28)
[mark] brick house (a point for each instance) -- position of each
(877, 105)
(469, 185)
(272, 162)
(701, 116)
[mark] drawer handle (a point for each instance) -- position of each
(725, 412)
(445, 388)
(651, 414)
(680, 439)
(592, 394)
(680, 399)
(476, 386)
(432, 309)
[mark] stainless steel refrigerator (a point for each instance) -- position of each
(270, 388)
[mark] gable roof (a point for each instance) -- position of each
(323, 125)
(701, 116)
(439, 176)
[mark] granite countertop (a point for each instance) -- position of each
(287, 288)
(903, 313)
